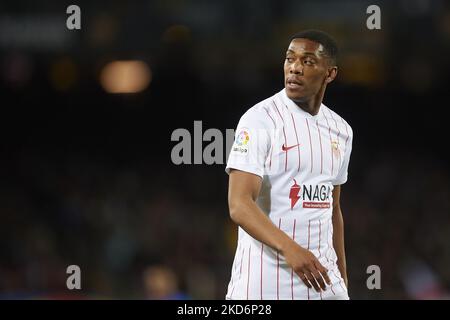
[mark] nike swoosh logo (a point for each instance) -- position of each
(284, 148)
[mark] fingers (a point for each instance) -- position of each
(323, 271)
(313, 281)
(319, 279)
(315, 275)
(305, 280)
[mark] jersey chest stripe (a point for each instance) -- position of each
(310, 144)
(298, 144)
(284, 133)
(296, 136)
(271, 145)
(320, 143)
(335, 122)
(337, 137)
(278, 111)
(331, 143)
(271, 118)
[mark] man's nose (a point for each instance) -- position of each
(296, 68)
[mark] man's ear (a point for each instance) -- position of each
(331, 74)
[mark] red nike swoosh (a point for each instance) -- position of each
(284, 148)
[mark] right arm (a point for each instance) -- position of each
(243, 191)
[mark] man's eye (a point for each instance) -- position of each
(289, 59)
(309, 62)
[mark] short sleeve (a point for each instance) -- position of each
(342, 176)
(251, 144)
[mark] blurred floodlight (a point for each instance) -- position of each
(125, 76)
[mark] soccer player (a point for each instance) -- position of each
(286, 167)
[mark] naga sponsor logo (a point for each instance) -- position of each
(314, 196)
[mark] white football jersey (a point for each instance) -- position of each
(300, 159)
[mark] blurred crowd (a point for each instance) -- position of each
(140, 233)
(114, 223)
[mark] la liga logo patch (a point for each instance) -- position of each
(241, 143)
(242, 138)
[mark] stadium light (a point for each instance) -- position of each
(130, 76)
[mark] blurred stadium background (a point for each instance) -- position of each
(86, 176)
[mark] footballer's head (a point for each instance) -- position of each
(310, 64)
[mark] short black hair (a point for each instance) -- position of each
(328, 43)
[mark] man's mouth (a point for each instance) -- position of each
(294, 84)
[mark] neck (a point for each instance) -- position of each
(312, 104)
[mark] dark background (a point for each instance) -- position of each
(86, 176)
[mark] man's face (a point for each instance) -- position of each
(306, 68)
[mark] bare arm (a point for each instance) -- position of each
(243, 191)
(338, 233)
